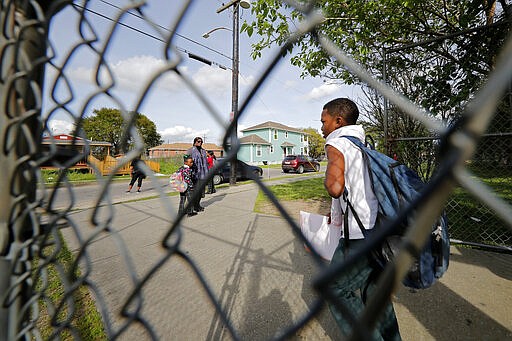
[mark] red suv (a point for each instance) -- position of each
(299, 164)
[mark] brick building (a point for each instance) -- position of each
(180, 148)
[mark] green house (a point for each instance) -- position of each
(271, 142)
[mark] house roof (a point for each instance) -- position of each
(65, 139)
(273, 125)
(253, 139)
(287, 144)
(184, 146)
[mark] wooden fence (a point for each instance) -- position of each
(110, 163)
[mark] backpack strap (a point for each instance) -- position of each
(346, 238)
(356, 216)
(357, 142)
(361, 146)
(366, 159)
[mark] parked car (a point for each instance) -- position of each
(299, 164)
(243, 171)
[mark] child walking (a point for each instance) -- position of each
(186, 172)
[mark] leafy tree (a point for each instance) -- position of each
(147, 129)
(108, 124)
(440, 75)
(418, 155)
(448, 71)
(316, 142)
(364, 28)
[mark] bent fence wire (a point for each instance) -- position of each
(445, 92)
(32, 246)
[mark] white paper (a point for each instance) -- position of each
(323, 237)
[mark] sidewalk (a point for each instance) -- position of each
(261, 275)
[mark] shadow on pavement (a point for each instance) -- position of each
(499, 263)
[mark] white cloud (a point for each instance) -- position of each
(60, 127)
(134, 72)
(81, 74)
(176, 131)
(290, 84)
(324, 90)
(131, 74)
(247, 80)
(242, 126)
(182, 134)
(214, 81)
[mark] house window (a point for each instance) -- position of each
(301, 151)
(258, 150)
(286, 134)
(305, 138)
(275, 134)
(271, 149)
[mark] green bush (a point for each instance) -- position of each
(170, 165)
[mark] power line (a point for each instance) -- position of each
(149, 35)
(168, 30)
(191, 55)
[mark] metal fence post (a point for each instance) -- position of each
(6, 233)
(23, 42)
(4, 287)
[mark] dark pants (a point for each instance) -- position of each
(353, 287)
(211, 186)
(197, 201)
(184, 200)
(137, 176)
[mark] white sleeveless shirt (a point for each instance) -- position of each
(357, 183)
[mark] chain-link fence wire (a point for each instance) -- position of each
(471, 222)
(31, 248)
(443, 78)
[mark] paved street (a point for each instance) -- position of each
(88, 194)
(260, 274)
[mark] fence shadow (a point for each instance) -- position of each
(469, 302)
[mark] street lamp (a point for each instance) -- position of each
(207, 34)
(234, 72)
(243, 3)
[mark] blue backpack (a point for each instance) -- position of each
(395, 186)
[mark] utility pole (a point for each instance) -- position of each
(234, 79)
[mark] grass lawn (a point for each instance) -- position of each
(305, 190)
(62, 304)
(469, 220)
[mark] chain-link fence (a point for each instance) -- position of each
(444, 83)
(44, 287)
(471, 222)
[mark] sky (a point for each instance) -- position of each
(135, 55)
